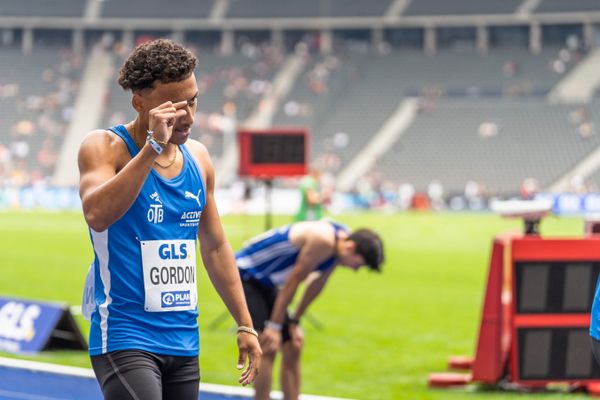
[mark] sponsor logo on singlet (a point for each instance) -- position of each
(175, 298)
(155, 212)
(191, 218)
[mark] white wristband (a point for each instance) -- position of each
(157, 147)
(273, 325)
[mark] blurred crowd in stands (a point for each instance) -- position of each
(30, 146)
(35, 117)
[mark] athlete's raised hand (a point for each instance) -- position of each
(248, 348)
(162, 118)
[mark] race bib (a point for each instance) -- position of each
(169, 275)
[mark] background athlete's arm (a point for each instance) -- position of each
(106, 194)
(314, 285)
(316, 249)
(219, 262)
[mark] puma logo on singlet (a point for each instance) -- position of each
(190, 195)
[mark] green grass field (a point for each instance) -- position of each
(383, 334)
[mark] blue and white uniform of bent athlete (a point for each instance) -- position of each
(270, 257)
(145, 267)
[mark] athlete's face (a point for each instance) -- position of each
(349, 258)
(354, 261)
(187, 90)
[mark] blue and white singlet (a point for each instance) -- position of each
(270, 257)
(145, 267)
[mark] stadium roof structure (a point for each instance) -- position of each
(313, 14)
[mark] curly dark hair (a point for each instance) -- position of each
(161, 60)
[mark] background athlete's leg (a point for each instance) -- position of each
(260, 302)
(262, 383)
(290, 369)
(125, 375)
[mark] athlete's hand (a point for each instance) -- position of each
(162, 118)
(296, 335)
(270, 339)
(248, 348)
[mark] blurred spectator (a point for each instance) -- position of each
(435, 191)
(580, 118)
(311, 197)
(529, 189)
(510, 69)
(406, 192)
(487, 129)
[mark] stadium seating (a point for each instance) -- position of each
(496, 143)
(344, 98)
(365, 89)
(38, 91)
(461, 7)
(306, 8)
(553, 6)
(42, 8)
(156, 9)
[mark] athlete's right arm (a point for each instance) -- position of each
(107, 190)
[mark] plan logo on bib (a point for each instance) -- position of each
(175, 298)
(155, 212)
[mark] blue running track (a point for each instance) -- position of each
(28, 380)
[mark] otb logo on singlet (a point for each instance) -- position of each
(155, 212)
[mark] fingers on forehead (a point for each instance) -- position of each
(180, 104)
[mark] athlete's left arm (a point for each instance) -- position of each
(314, 286)
(219, 261)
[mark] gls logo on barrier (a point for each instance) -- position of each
(28, 326)
(17, 321)
(155, 212)
(175, 299)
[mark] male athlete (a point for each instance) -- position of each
(147, 194)
(272, 266)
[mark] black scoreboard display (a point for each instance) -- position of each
(556, 353)
(554, 283)
(273, 153)
(556, 287)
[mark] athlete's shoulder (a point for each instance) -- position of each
(200, 154)
(102, 139)
(315, 232)
(197, 148)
